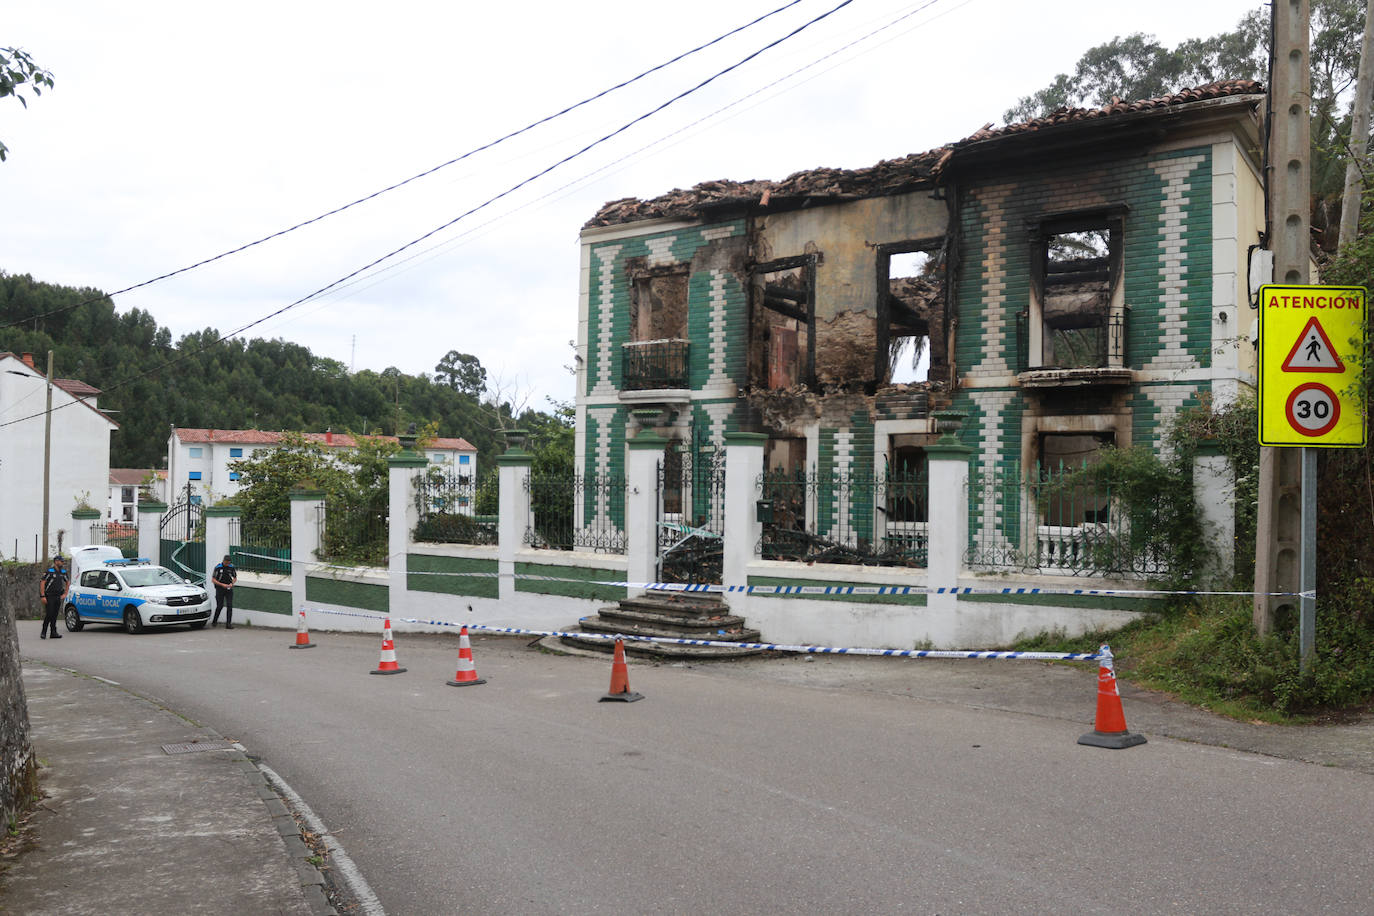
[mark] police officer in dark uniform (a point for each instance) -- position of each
(224, 577)
(54, 588)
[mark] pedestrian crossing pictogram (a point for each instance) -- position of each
(1313, 351)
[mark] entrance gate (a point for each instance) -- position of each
(181, 537)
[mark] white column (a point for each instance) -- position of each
(82, 519)
(948, 523)
(641, 508)
(743, 468)
(403, 515)
(513, 473)
(307, 509)
(150, 530)
(1214, 492)
(217, 545)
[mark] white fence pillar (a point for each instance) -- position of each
(82, 520)
(641, 507)
(218, 520)
(743, 468)
(1214, 492)
(403, 515)
(948, 525)
(307, 511)
(150, 530)
(513, 474)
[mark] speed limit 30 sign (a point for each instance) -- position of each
(1311, 362)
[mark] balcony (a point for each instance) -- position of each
(654, 365)
(1093, 353)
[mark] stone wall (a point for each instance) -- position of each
(18, 766)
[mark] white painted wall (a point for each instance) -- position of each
(80, 459)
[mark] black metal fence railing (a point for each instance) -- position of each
(691, 515)
(446, 505)
(123, 535)
(261, 546)
(865, 519)
(649, 364)
(354, 533)
(1066, 521)
(576, 512)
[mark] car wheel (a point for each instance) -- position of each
(198, 625)
(72, 619)
(133, 623)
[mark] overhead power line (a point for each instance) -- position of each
(400, 184)
(542, 172)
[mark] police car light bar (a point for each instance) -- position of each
(129, 562)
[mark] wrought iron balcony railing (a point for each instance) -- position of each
(653, 364)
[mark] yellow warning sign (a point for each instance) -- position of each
(1305, 330)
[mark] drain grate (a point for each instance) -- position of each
(193, 746)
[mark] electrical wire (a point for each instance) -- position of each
(400, 184)
(377, 276)
(566, 159)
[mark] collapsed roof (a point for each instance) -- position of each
(891, 176)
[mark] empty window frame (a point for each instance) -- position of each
(1078, 501)
(910, 303)
(658, 305)
(1076, 317)
(907, 490)
(782, 348)
(785, 481)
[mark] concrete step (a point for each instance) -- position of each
(688, 625)
(658, 650)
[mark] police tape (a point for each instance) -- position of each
(726, 644)
(804, 590)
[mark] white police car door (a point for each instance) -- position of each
(108, 603)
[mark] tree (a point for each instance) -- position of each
(462, 372)
(16, 69)
(1138, 67)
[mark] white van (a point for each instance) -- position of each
(91, 557)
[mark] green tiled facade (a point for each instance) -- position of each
(344, 593)
(470, 577)
(266, 600)
(586, 586)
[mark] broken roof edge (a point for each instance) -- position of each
(907, 173)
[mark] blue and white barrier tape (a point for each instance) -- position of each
(704, 588)
(769, 647)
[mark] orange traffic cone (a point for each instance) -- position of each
(302, 636)
(620, 678)
(1109, 730)
(388, 663)
(467, 674)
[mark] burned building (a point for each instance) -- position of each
(1069, 282)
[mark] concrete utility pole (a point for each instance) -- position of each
(1279, 519)
(47, 459)
(1359, 133)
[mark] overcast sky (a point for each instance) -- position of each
(177, 131)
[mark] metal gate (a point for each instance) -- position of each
(181, 536)
(691, 510)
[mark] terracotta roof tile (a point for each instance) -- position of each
(892, 176)
(129, 477)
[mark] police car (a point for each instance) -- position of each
(134, 594)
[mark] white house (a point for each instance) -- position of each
(126, 488)
(200, 458)
(80, 456)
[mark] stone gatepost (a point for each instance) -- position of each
(404, 514)
(743, 468)
(82, 520)
(218, 520)
(513, 475)
(948, 521)
(1214, 492)
(641, 507)
(150, 530)
(307, 512)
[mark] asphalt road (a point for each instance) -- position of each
(749, 787)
